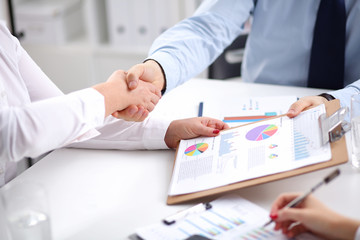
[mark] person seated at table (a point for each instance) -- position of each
(312, 216)
(344, 95)
(36, 117)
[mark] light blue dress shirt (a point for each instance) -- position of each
(277, 50)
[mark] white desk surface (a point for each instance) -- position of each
(103, 194)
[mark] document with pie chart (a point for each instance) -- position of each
(250, 151)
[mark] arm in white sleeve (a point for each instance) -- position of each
(36, 128)
(120, 134)
(189, 47)
(357, 235)
(39, 86)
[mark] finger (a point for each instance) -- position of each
(202, 129)
(286, 225)
(214, 123)
(291, 214)
(150, 106)
(157, 92)
(133, 75)
(281, 201)
(296, 230)
(155, 99)
(141, 115)
(296, 108)
(127, 114)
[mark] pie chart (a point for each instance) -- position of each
(196, 149)
(261, 132)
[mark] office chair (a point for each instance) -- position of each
(228, 64)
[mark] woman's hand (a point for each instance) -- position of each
(311, 216)
(191, 128)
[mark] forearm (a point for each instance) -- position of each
(190, 46)
(39, 127)
(124, 135)
(347, 228)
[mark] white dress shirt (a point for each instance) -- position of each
(36, 117)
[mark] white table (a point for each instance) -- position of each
(102, 194)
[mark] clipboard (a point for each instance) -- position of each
(338, 152)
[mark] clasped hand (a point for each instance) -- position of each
(118, 97)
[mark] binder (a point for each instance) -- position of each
(166, 15)
(96, 21)
(142, 23)
(119, 22)
(338, 150)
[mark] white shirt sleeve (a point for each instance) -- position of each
(38, 127)
(120, 134)
(357, 235)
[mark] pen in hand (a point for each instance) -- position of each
(301, 198)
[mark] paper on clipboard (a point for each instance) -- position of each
(247, 152)
(236, 111)
(230, 218)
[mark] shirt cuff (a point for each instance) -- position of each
(93, 111)
(155, 133)
(168, 64)
(344, 95)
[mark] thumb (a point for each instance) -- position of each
(296, 108)
(291, 214)
(133, 75)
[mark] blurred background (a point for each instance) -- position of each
(78, 43)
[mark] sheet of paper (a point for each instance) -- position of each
(237, 111)
(231, 217)
(248, 152)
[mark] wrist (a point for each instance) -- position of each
(160, 73)
(171, 138)
(327, 96)
(112, 96)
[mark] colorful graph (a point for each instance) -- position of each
(261, 132)
(272, 146)
(246, 119)
(210, 223)
(196, 149)
(272, 156)
(258, 234)
(301, 144)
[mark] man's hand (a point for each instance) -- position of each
(191, 128)
(149, 72)
(305, 102)
(118, 96)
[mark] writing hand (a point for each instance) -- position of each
(311, 216)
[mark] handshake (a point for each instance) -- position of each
(132, 95)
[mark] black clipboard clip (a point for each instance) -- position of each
(184, 213)
(333, 127)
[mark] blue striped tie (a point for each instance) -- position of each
(327, 59)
